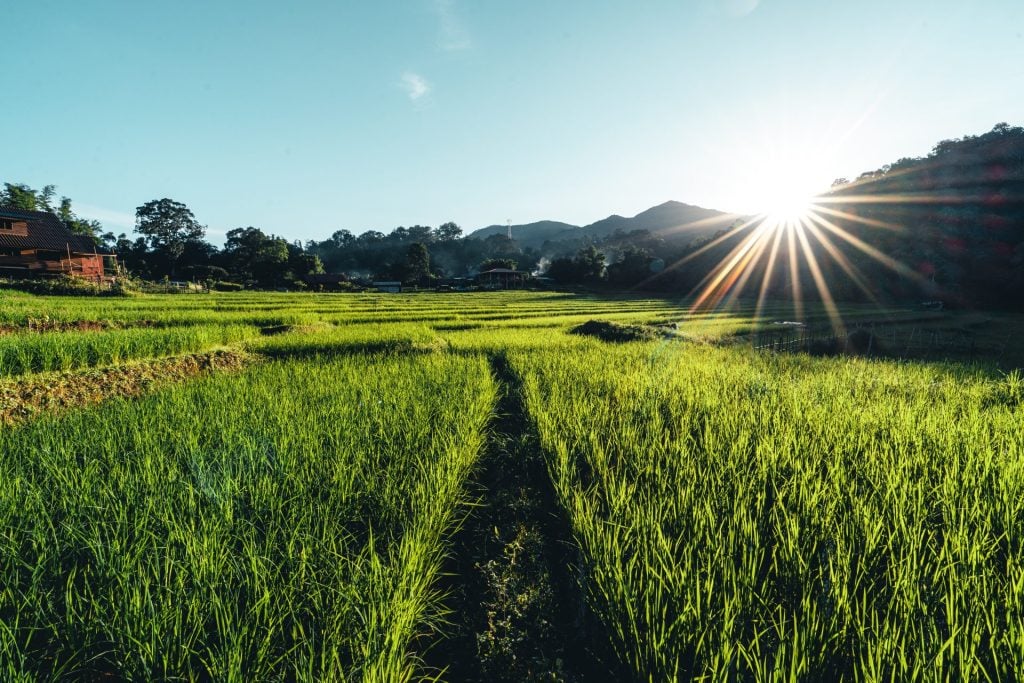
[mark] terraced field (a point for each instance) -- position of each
(466, 487)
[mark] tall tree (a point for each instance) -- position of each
(19, 196)
(44, 198)
(302, 262)
(167, 226)
(493, 263)
(417, 262)
(256, 257)
(590, 264)
(633, 267)
(448, 232)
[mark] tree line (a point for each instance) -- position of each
(948, 225)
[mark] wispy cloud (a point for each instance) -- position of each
(452, 32)
(739, 8)
(110, 218)
(415, 86)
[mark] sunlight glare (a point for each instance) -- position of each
(788, 207)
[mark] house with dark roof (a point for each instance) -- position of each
(502, 278)
(36, 243)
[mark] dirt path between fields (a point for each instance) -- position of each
(517, 611)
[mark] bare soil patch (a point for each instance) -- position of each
(22, 398)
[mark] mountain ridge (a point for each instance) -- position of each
(672, 220)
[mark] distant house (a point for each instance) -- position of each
(502, 278)
(37, 243)
(388, 286)
(329, 282)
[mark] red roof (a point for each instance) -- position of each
(45, 231)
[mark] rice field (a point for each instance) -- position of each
(729, 513)
(755, 517)
(53, 351)
(282, 524)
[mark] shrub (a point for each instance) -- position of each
(64, 285)
(616, 332)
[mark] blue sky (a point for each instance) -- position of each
(305, 117)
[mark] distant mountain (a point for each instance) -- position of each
(673, 221)
(529, 234)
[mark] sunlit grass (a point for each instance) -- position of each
(27, 353)
(287, 523)
(747, 516)
(741, 515)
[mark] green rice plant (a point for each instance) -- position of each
(381, 337)
(284, 524)
(497, 340)
(741, 516)
(27, 353)
(759, 517)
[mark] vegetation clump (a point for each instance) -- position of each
(65, 285)
(618, 332)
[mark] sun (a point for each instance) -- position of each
(780, 189)
(784, 197)
(788, 208)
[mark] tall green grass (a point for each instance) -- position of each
(381, 337)
(741, 516)
(758, 517)
(283, 524)
(27, 353)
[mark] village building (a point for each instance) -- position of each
(37, 243)
(502, 278)
(327, 282)
(388, 286)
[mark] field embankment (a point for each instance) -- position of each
(24, 397)
(517, 610)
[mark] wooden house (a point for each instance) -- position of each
(34, 243)
(388, 286)
(502, 278)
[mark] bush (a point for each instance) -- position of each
(221, 286)
(615, 332)
(66, 285)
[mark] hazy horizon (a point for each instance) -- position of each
(306, 121)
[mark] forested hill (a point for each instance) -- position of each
(955, 217)
(948, 226)
(672, 221)
(527, 234)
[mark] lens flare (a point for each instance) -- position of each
(788, 209)
(794, 247)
